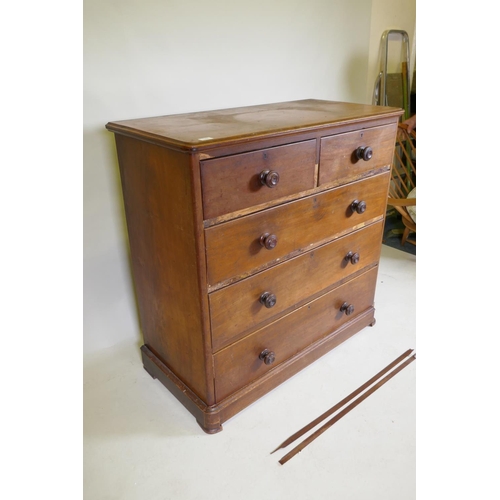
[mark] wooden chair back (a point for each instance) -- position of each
(404, 179)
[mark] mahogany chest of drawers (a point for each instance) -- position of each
(255, 235)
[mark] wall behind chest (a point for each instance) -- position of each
(153, 57)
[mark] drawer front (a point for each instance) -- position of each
(234, 249)
(339, 162)
(237, 182)
(239, 363)
(237, 309)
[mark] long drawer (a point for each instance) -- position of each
(240, 308)
(239, 181)
(339, 161)
(237, 248)
(240, 363)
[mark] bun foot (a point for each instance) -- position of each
(210, 429)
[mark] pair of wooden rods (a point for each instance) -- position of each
(339, 405)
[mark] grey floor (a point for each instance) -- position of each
(140, 443)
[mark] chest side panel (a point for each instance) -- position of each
(158, 196)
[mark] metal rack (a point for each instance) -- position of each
(380, 88)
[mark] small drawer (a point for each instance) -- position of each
(250, 303)
(236, 182)
(246, 360)
(351, 156)
(240, 247)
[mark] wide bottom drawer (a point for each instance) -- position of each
(246, 360)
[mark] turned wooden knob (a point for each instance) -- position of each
(268, 299)
(269, 178)
(346, 308)
(267, 356)
(358, 206)
(268, 241)
(364, 153)
(352, 257)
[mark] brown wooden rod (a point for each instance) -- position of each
(346, 400)
(337, 417)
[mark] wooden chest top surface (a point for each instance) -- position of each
(194, 130)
